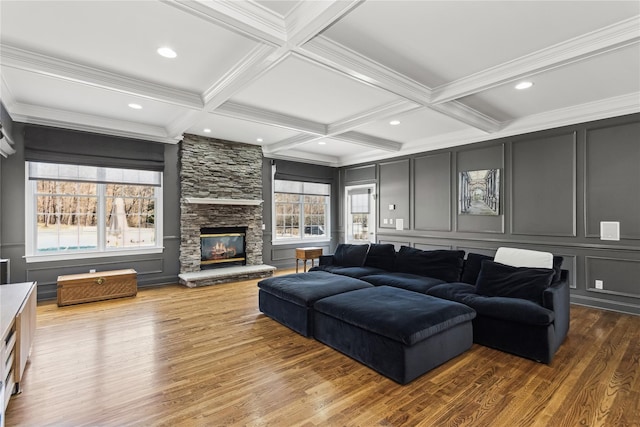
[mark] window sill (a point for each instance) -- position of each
(299, 241)
(88, 255)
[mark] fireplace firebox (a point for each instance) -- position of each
(222, 247)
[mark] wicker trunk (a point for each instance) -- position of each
(79, 288)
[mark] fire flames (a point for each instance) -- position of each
(221, 251)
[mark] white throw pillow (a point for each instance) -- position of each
(524, 258)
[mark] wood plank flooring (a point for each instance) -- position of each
(175, 356)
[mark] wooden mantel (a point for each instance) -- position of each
(214, 201)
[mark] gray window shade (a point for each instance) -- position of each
(79, 173)
(44, 144)
(298, 187)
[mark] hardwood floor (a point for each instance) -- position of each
(207, 357)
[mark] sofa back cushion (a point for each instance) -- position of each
(381, 255)
(500, 280)
(472, 266)
(348, 255)
(440, 264)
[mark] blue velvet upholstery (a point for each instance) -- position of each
(411, 282)
(440, 264)
(515, 325)
(289, 299)
(403, 316)
(356, 272)
(472, 266)
(499, 280)
(399, 333)
(348, 255)
(382, 256)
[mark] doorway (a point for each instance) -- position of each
(360, 208)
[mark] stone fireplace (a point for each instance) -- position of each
(221, 187)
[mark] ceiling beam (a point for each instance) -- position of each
(259, 115)
(38, 63)
(369, 141)
(310, 18)
(609, 38)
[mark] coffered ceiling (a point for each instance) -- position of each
(320, 81)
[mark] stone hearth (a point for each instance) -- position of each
(214, 175)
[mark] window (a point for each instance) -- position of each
(301, 210)
(77, 210)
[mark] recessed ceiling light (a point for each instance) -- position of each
(523, 85)
(167, 52)
(206, 130)
(135, 106)
(259, 139)
(322, 143)
(394, 122)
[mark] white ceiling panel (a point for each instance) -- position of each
(295, 73)
(123, 36)
(601, 77)
(299, 88)
(232, 129)
(417, 124)
(435, 42)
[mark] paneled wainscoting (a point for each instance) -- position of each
(206, 356)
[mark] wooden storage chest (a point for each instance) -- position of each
(79, 288)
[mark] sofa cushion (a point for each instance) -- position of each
(509, 309)
(499, 280)
(440, 264)
(411, 282)
(356, 272)
(348, 255)
(400, 315)
(472, 266)
(304, 289)
(381, 255)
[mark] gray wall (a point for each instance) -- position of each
(556, 187)
(284, 256)
(152, 269)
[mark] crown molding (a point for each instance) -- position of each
(6, 96)
(468, 115)
(37, 115)
(375, 114)
(603, 40)
(611, 107)
(258, 115)
(359, 67)
(38, 63)
(602, 109)
(369, 141)
(244, 18)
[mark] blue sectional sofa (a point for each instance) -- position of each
(403, 313)
(527, 316)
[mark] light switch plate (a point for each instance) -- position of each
(599, 284)
(385, 221)
(399, 224)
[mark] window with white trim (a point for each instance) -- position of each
(301, 210)
(75, 210)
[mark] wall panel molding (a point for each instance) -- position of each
(432, 192)
(544, 168)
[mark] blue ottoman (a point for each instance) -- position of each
(289, 299)
(399, 333)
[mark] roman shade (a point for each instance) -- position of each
(51, 145)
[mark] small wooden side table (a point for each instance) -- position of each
(303, 254)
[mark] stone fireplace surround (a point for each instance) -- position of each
(221, 186)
